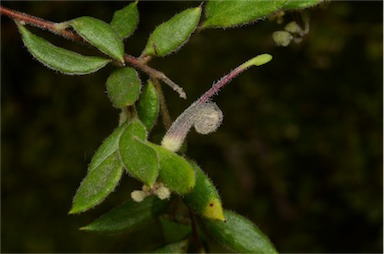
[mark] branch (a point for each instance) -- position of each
(40, 23)
(136, 62)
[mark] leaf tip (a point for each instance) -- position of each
(257, 61)
(214, 210)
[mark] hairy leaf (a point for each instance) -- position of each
(139, 159)
(98, 184)
(60, 59)
(222, 13)
(129, 216)
(175, 172)
(148, 108)
(239, 234)
(204, 198)
(101, 35)
(300, 4)
(172, 34)
(125, 21)
(123, 87)
(108, 147)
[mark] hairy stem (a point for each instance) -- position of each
(137, 63)
(40, 23)
(163, 106)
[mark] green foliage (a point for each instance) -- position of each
(101, 35)
(233, 13)
(175, 172)
(172, 34)
(123, 87)
(239, 234)
(204, 198)
(129, 216)
(98, 184)
(139, 159)
(300, 4)
(148, 106)
(159, 168)
(125, 21)
(60, 59)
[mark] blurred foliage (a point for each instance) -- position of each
(299, 153)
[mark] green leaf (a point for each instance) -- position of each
(175, 172)
(300, 4)
(172, 34)
(148, 107)
(108, 147)
(173, 230)
(125, 21)
(204, 198)
(60, 59)
(98, 184)
(178, 247)
(139, 159)
(223, 13)
(123, 87)
(239, 234)
(101, 35)
(129, 216)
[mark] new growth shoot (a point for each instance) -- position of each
(203, 114)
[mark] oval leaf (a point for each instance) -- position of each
(239, 234)
(222, 13)
(148, 108)
(123, 87)
(101, 35)
(175, 172)
(300, 4)
(178, 247)
(98, 184)
(125, 21)
(204, 198)
(139, 159)
(108, 147)
(60, 59)
(172, 34)
(129, 216)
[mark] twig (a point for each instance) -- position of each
(163, 106)
(40, 23)
(136, 62)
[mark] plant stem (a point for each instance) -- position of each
(163, 106)
(195, 234)
(136, 62)
(40, 23)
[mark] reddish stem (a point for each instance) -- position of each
(219, 84)
(38, 22)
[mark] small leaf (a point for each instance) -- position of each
(222, 13)
(139, 159)
(239, 234)
(129, 216)
(300, 4)
(60, 59)
(148, 108)
(109, 146)
(178, 247)
(204, 198)
(172, 34)
(175, 172)
(101, 35)
(125, 21)
(123, 87)
(98, 184)
(174, 231)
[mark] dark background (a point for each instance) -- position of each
(299, 152)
